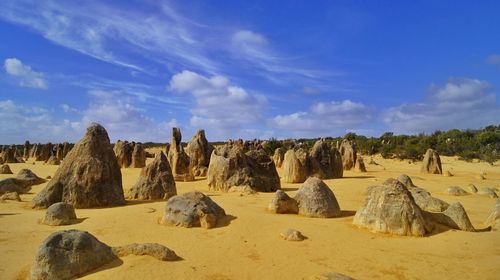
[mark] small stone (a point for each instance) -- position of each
(472, 188)
(282, 204)
(487, 191)
(10, 196)
(59, 214)
(292, 235)
(456, 190)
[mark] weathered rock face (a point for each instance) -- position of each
(9, 155)
(26, 150)
(324, 160)
(155, 182)
(282, 204)
(454, 217)
(68, 254)
(493, 219)
(359, 166)
(88, 177)
(296, 166)
(349, 154)
(66, 148)
(155, 250)
(192, 209)
(5, 169)
(278, 157)
(431, 163)
(44, 152)
(230, 166)
(138, 156)
(199, 150)
(59, 213)
(406, 181)
(178, 159)
(34, 150)
(22, 183)
(123, 151)
(427, 202)
(53, 160)
(456, 190)
(390, 208)
(316, 199)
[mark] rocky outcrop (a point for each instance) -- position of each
(230, 166)
(10, 196)
(316, 199)
(5, 169)
(23, 182)
(69, 254)
(199, 150)
(59, 213)
(192, 209)
(283, 204)
(178, 159)
(390, 208)
(88, 177)
(278, 157)
(454, 217)
(123, 151)
(431, 163)
(348, 151)
(138, 156)
(324, 160)
(155, 181)
(296, 166)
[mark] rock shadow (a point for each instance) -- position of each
(225, 221)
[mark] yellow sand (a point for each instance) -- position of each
(249, 247)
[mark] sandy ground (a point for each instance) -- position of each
(248, 246)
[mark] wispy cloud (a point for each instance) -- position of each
(26, 76)
(459, 103)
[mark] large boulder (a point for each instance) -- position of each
(283, 204)
(324, 160)
(123, 151)
(278, 157)
(178, 159)
(138, 156)
(230, 166)
(454, 217)
(316, 199)
(296, 166)
(199, 150)
(431, 163)
(155, 181)
(390, 208)
(88, 177)
(5, 169)
(348, 151)
(193, 209)
(59, 213)
(69, 254)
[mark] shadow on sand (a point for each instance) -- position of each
(224, 222)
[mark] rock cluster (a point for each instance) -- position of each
(230, 166)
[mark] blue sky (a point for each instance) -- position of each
(246, 69)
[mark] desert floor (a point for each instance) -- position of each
(247, 245)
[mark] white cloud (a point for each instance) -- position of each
(460, 103)
(19, 123)
(26, 76)
(324, 119)
(224, 108)
(68, 109)
(247, 37)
